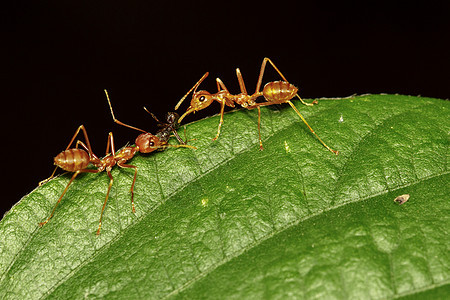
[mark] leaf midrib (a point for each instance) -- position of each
(424, 289)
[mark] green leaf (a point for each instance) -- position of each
(230, 221)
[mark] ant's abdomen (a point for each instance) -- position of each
(72, 160)
(279, 91)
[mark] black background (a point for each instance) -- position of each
(60, 56)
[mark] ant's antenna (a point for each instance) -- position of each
(114, 118)
(193, 88)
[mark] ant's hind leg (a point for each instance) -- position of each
(261, 73)
(65, 190)
(48, 179)
(304, 121)
(263, 67)
(259, 129)
(60, 197)
(88, 147)
(306, 103)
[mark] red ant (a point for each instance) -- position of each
(77, 160)
(275, 92)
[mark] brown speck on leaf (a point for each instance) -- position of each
(402, 199)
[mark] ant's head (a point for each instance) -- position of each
(147, 142)
(172, 117)
(200, 100)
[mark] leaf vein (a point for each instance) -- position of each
(284, 228)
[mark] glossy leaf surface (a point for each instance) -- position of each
(230, 221)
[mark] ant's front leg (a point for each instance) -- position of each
(221, 87)
(179, 139)
(222, 109)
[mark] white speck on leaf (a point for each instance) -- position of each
(402, 199)
(286, 147)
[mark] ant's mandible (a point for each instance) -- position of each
(275, 92)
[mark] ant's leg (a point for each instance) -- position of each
(106, 200)
(303, 119)
(110, 143)
(114, 118)
(179, 146)
(59, 200)
(88, 147)
(85, 137)
(153, 116)
(220, 85)
(161, 124)
(185, 136)
(92, 156)
(180, 140)
(261, 73)
(177, 136)
(244, 91)
(222, 108)
(306, 103)
(51, 176)
(132, 185)
(65, 190)
(241, 82)
(259, 129)
(282, 76)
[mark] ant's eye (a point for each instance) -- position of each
(202, 98)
